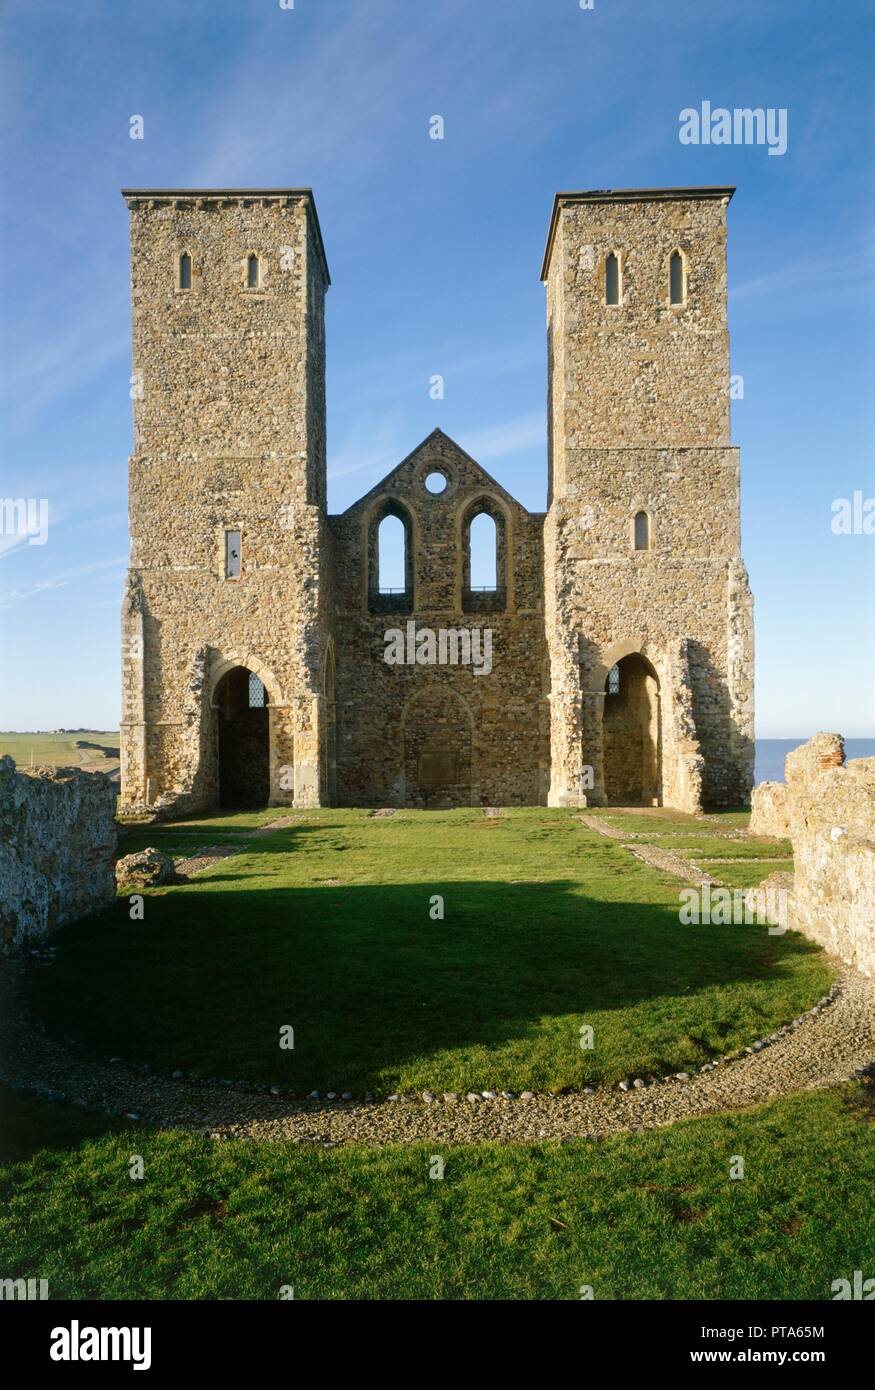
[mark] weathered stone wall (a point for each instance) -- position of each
(828, 807)
(770, 811)
(229, 429)
(57, 848)
(229, 435)
(639, 422)
(430, 735)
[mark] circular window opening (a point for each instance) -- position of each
(436, 483)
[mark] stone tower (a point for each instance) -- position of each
(254, 625)
(648, 608)
(226, 623)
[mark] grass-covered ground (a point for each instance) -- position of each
(651, 1215)
(60, 750)
(708, 842)
(327, 926)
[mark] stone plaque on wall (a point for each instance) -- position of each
(438, 768)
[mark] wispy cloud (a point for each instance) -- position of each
(510, 437)
(11, 596)
(373, 445)
(851, 268)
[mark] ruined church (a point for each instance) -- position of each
(254, 620)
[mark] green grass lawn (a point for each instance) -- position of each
(743, 874)
(326, 926)
(712, 845)
(662, 820)
(651, 1215)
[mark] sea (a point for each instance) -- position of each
(771, 752)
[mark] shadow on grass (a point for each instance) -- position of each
(184, 837)
(29, 1124)
(380, 995)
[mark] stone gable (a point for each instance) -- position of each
(255, 629)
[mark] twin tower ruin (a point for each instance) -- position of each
(254, 621)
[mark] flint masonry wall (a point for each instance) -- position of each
(57, 848)
(639, 421)
(229, 429)
(229, 434)
(432, 735)
(827, 807)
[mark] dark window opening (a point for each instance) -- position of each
(676, 278)
(612, 279)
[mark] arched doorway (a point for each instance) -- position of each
(438, 750)
(243, 720)
(632, 734)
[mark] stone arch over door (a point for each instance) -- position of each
(243, 739)
(632, 731)
(243, 733)
(437, 750)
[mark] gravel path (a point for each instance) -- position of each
(671, 863)
(826, 1046)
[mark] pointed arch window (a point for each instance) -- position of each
(253, 271)
(677, 279)
(484, 553)
(484, 557)
(642, 531)
(185, 271)
(391, 544)
(612, 279)
(613, 682)
(390, 559)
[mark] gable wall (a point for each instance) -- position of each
(383, 710)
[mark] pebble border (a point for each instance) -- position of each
(429, 1097)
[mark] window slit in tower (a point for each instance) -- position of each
(676, 278)
(233, 549)
(612, 279)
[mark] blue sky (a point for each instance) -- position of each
(435, 249)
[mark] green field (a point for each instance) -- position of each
(652, 1215)
(326, 926)
(59, 750)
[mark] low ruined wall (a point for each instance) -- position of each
(769, 813)
(57, 848)
(828, 809)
